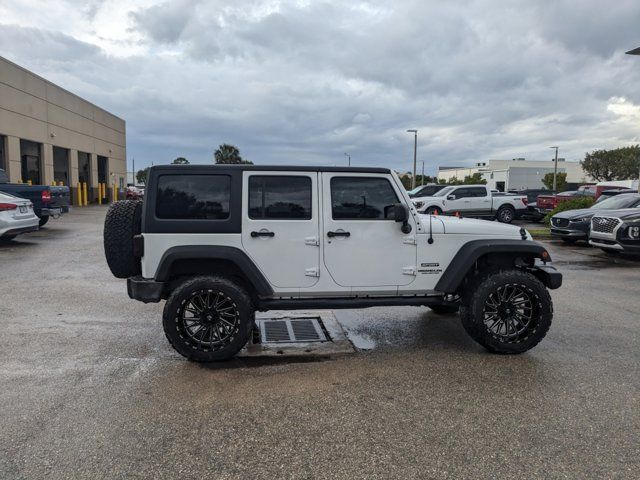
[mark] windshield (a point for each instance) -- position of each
(415, 190)
(443, 192)
(619, 201)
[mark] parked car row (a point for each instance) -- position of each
(612, 224)
(22, 203)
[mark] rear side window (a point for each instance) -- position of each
(360, 198)
(193, 197)
(478, 192)
(279, 197)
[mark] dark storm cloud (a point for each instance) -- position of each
(294, 82)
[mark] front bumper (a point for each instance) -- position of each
(144, 289)
(569, 233)
(548, 275)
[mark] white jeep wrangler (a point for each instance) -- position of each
(220, 242)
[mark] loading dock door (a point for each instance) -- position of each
(84, 167)
(61, 165)
(102, 169)
(31, 161)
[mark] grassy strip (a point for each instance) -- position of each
(540, 233)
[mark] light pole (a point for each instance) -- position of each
(635, 51)
(415, 152)
(555, 170)
(422, 179)
(348, 158)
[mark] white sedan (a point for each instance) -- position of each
(16, 216)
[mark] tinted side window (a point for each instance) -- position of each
(204, 197)
(478, 192)
(272, 197)
(360, 197)
(461, 193)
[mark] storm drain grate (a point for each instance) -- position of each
(291, 330)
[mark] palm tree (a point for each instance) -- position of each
(228, 154)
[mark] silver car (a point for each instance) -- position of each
(16, 216)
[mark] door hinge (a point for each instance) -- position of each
(409, 240)
(311, 241)
(312, 272)
(409, 270)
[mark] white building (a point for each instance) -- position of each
(517, 174)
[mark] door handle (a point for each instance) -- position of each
(262, 234)
(338, 234)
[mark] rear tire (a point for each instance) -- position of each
(208, 319)
(506, 214)
(507, 312)
(43, 221)
(122, 223)
(7, 238)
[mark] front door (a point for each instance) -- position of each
(457, 200)
(280, 225)
(363, 247)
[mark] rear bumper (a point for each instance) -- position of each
(54, 211)
(144, 289)
(18, 231)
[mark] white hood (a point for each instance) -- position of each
(472, 226)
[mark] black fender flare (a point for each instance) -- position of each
(471, 251)
(214, 252)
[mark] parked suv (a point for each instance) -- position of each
(617, 231)
(573, 225)
(221, 242)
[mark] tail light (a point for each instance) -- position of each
(7, 206)
(525, 200)
(46, 196)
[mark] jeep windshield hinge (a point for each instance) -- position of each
(409, 240)
(409, 271)
(311, 241)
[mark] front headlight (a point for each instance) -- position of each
(581, 219)
(418, 205)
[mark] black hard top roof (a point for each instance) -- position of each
(276, 168)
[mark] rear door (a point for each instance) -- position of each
(363, 246)
(280, 226)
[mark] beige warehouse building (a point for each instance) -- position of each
(48, 135)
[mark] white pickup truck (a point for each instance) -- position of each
(473, 201)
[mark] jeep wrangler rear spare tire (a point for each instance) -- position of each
(507, 311)
(208, 319)
(122, 223)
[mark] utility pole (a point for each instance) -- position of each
(133, 159)
(422, 179)
(635, 51)
(348, 157)
(555, 170)
(415, 153)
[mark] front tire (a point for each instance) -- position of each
(507, 312)
(208, 319)
(506, 214)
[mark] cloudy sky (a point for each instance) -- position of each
(306, 81)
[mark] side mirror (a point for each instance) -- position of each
(451, 197)
(399, 213)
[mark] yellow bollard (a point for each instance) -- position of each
(79, 194)
(115, 193)
(29, 182)
(84, 194)
(99, 194)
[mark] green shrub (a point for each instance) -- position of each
(575, 204)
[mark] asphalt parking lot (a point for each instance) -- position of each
(90, 388)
